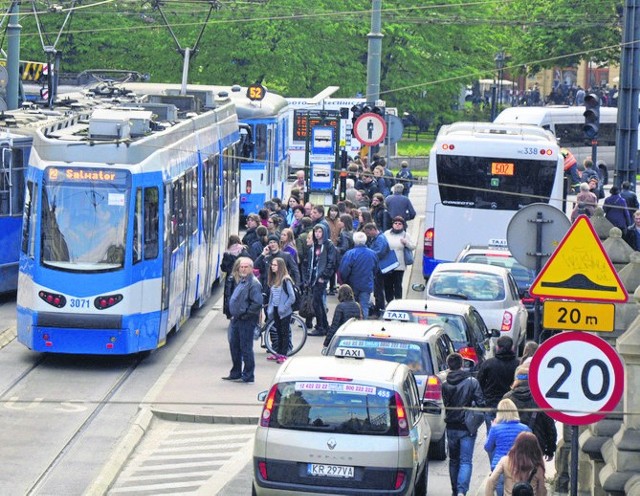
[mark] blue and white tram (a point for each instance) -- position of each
(127, 214)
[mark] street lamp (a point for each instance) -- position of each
(499, 60)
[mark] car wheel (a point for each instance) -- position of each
(423, 481)
(438, 449)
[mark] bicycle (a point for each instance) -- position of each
(269, 336)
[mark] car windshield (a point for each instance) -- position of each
(341, 407)
(411, 354)
(523, 276)
(466, 286)
(453, 324)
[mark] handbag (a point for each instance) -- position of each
(390, 262)
(408, 256)
(524, 488)
(473, 419)
(306, 310)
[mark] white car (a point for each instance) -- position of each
(341, 426)
(491, 290)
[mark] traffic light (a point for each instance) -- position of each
(591, 116)
(357, 111)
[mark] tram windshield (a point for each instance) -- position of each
(84, 218)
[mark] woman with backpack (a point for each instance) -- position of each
(522, 468)
(280, 307)
(347, 309)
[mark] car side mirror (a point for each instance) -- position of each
(468, 364)
(262, 395)
(493, 333)
(418, 286)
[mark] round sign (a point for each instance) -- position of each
(577, 377)
(370, 129)
(522, 233)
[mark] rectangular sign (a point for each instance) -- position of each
(578, 316)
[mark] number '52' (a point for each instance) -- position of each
(554, 391)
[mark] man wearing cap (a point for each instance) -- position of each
(405, 177)
(271, 251)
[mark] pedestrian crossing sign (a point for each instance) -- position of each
(580, 269)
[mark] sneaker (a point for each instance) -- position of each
(281, 359)
(272, 358)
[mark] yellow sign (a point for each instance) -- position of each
(578, 316)
(579, 269)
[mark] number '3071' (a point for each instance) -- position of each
(79, 303)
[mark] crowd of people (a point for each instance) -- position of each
(357, 247)
(520, 437)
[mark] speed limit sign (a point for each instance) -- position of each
(578, 376)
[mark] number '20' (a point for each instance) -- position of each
(555, 392)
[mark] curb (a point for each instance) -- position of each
(7, 336)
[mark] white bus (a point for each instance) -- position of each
(480, 175)
(566, 124)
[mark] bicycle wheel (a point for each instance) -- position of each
(297, 335)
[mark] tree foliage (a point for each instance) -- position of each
(297, 48)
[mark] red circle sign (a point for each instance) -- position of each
(370, 129)
(577, 376)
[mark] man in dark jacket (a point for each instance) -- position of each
(377, 241)
(399, 205)
(539, 422)
(358, 269)
(496, 374)
(318, 268)
(460, 390)
(250, 237)
(244, 307)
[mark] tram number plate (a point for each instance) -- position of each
(322, 470)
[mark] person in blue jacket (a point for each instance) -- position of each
(503, 433)
(379, 244)
(358, 269)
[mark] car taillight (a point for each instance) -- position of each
(401, 413)
(400, 476)
(433, 388)
(428, 243)
(267, 410)
(507, 322)
(469, 353)
(262, 468)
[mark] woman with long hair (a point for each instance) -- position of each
(292, 202)
(380, 213)
(524, 462)
(279, 309)
(364, 218)
(262, 239)
(288, 243)
(333, 219)
(502, 435)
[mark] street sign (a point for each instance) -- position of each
(580, 269)
(370, 129)
(577, 376)
(547, 222)
(578, 316)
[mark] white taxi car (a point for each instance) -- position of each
(490, 289)
(424, 349)
(341, 426)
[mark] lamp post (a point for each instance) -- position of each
(499, 59)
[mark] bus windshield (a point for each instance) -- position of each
(84, 219)
(494, 183)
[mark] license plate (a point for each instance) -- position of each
(322, 470)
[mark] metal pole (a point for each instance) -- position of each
(575, 451)
(13, 57)
(374, 55)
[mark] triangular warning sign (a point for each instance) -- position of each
(579, 269)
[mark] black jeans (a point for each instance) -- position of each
(283, 332)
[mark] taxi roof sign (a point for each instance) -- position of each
(580, 269)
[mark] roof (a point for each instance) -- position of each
(437, 306)
(312, 368)
(409, 331)
(469, 267)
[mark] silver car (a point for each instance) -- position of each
(341, 426)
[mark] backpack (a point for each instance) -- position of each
(296, 293)
(524, 488)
